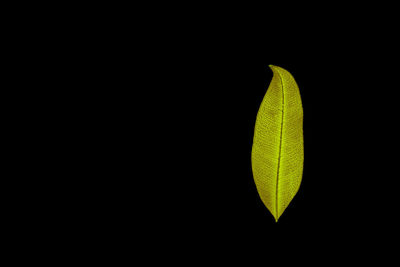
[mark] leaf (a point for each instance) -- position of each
(278, 153)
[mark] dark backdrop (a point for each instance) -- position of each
(135, 127)
(173, 113)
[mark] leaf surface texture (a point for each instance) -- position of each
(278, 151)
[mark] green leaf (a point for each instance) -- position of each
(278, 151)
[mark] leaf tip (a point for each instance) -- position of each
(274, 68)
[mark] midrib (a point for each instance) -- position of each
(280, 148)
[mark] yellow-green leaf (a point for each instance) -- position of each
(278, 152)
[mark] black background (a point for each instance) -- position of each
(158, 126)
(135, 132)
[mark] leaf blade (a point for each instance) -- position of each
(278, 150)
